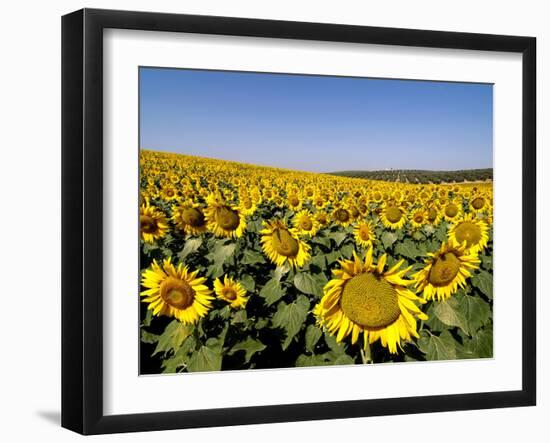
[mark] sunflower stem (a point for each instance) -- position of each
(366, 355)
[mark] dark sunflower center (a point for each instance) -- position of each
(363, 208)
(170, 192)
(444, 270)
(294, 201)
(284, 243)
(147, 224)
(364, 233)
(377, 196)
(393, 214)
(451, 210)
(418, 218)
(229, 294)
(177, 293)
(306, 224)
(322, 219)
(432, 214)
(468, 232)
(342, 215)
(193, 217)
(478, 202)
(227, 218)
(370, 301)
(354, 211)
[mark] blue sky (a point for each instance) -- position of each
(317, 123)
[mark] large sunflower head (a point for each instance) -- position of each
(189, 217)
(478, 202)
(364, 297)
(305, 223)
(231, 291)
(224, 220)
(471, 230)
(282, 245)
(152, 223)
(445, 271)
(176, 292)
(393, 216)
(364, 234)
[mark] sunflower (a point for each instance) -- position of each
(247, 204)
(188, 216)
(152, 223)
(322, 218)
(418, 218)
(471, 230)
(175, 292)
(168, 192)
(342, 216)
(305, 223)
(393, 216)
(231, 291)
(294, 202)
(478, 203)
(363, 298)
(224, 220)
(445, 271)
(282, 244)
(452, 210)
(433, 215)
(364, 234)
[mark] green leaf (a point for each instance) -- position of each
(173, 337)
(343, 359)
(248, 282)
(181, 357)
(312, 360)
(321, 240)
(441, 231)
(249, 346)
(313, 334)
(205, 359)
(239, 317)
(418, 236)
(338, 237)
(191, 245)
(272, 291)
(291, 317)
(438, 348)
(319, 261)
(335, 347)
(252, 257)
(407, 249)
(449, 313)
(480, 346)
(388, 239)
(483, 281)
(475, 310)
(149, 338)
(307, 284)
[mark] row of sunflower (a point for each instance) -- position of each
(253, 267)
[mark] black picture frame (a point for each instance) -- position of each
(82, 218)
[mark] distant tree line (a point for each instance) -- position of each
(422, 176)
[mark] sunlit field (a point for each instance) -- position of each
(248, 267)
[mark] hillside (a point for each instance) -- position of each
(422, 176)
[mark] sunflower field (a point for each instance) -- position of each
(247, 267)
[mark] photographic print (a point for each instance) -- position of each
(291, 220)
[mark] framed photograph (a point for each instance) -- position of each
(268, 221)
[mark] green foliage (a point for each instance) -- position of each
(291, 317)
